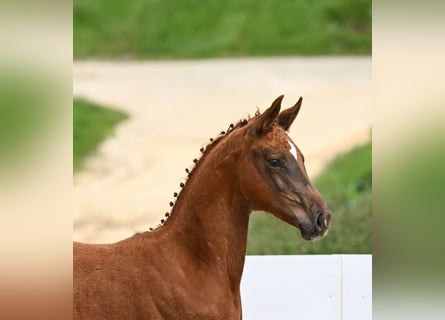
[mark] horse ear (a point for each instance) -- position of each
(264, 121)
(286, 117)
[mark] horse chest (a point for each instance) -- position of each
(210, 299)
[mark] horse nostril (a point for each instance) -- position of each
(320, 223)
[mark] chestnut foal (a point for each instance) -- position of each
(191, 266)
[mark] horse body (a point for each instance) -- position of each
(191, 267)
(124, 281)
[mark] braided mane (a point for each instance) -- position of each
(204, 152)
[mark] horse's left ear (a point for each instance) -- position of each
(262, 123)
(286, 117)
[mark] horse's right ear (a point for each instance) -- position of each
(263, 122)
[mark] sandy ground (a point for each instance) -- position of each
(176, 106)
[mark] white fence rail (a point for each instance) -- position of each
(316, 287)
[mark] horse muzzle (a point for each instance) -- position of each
(318, 228)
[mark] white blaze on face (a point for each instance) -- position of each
(293, 150)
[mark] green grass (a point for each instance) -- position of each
(214, 28)
(346, 185)
(91, 125)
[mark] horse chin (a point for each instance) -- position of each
(312, 235)
(307, 229)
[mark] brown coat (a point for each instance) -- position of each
(191, 266)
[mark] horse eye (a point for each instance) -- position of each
(274, 163)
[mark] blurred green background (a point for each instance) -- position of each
(195, 29)
(91, 125)
(410, 214)
(27, 113)
(189, 29)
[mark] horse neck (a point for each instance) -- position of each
(210, 217)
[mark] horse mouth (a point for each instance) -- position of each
(313, 235)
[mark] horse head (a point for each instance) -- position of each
(273, 177)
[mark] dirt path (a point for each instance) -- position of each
(175, 107)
